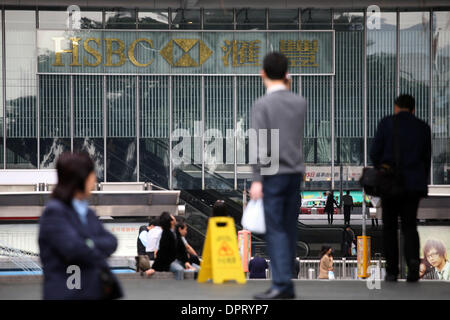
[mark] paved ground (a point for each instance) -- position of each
(139, 289)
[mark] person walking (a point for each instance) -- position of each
(72, 240)
(329, 207)
(348, 240)
(326, 262)
(283, 112)
(406, 139)
(347, 201)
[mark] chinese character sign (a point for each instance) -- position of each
(164, 52)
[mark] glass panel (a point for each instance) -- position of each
(219, 134)
(153, 19)
(349, 99)
(88, 119)
(154, 126)
(316, 19)
(251, 19)
(441, 98)
(283, 19)
(414, 58)
(381, 73)
(249, 89)
(95, 148)
(54, 118)
(20, 67)
(218, 19)
(187, 126)
(121, 129)
(317, 137)
(59, 20)
(120, 19)
(2, 116)
(186, 19)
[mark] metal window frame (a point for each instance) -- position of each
(3, 40)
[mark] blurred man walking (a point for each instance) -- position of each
(284, 111)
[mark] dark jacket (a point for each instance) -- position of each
(415, 150)
(257, 268)
(167, 252)
(182, 253)
(62, 243)
(329, 204)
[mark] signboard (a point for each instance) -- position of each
(177, 52)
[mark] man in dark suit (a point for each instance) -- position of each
(414, 148)
(257, 267)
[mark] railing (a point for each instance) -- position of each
(344, 269)
(23, 260)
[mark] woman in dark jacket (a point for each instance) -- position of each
(73, 244)
(166, 258)
(329, 208)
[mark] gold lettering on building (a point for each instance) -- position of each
(110, 52)
(241, 53)
(74, 51)
(93, 52)
(131, 52)
(300, 53)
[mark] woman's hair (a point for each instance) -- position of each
(73, 170)
(219, 209)
(164, 220)
(324, 250)
(180, 225)
(436, 244)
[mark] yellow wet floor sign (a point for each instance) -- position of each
(221, 260)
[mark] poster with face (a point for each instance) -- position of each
(434, 252)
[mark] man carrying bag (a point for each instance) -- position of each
(401, 152)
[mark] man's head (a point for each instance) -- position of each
(151, 222)
(435, 253)
(275, 67)
(348, 192)
(404, 102)
(167, 221)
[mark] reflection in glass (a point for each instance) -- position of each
(313, 19)
(95, 148)
(20, 39)
(283, 19)
(441, 98)
(349, 99)
(381, 73)
(54, 118)
(120, 19)
(21, 153)
(251, 19)
(187, 131)
(186, 19)
(121, 143)
(414, 59)
(50, 150)
(88, 119)
(249, 89)
(219, 134)
(58, 20)
(218, 19)
(317, 137)
(154, 19)
(121, 160)
(154, 130)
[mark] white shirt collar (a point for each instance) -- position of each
(276, 87)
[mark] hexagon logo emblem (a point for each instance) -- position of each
(186, 48)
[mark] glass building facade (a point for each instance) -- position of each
(126, 119)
